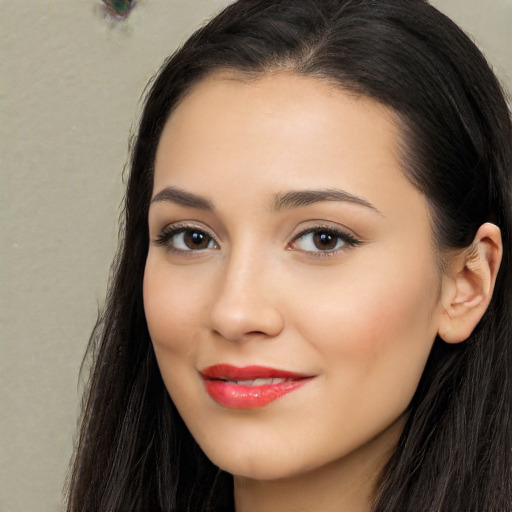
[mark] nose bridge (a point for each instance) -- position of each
(245, 301)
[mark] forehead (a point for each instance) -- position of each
(281, 132)
(226, 98)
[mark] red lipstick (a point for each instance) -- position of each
(251, 386)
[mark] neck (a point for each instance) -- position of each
(344, 485)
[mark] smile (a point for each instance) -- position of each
(249, 387)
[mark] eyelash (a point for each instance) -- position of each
(169, 232)
(348, 240)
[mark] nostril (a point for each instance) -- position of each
(241, 307)
(244, 323)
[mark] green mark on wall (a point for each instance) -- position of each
(118, 8)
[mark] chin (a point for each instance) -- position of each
(260, 470)
(261, 464)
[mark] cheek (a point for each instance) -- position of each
(172, 308)
(172, 305)
(382, 304)
(375, 335)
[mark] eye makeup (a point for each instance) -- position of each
(184, 237)
(317, 241)
(322, 241)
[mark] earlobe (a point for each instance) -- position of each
(468, 284)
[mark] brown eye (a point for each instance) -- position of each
(195, 240)
(187, 239)
(183, 239)
(323, 241)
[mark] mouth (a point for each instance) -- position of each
(249, 387)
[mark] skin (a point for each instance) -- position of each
(361, 319)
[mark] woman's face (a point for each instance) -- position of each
(291, 288)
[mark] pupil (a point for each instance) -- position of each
(325, 240)
(196, 240)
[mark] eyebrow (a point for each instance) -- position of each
(299, 198)
(183, 198)
(283, 201)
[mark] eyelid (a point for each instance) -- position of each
(350, 239)
(346, 235)
(172, 229)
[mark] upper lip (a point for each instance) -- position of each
(229, 372)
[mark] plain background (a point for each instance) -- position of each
(71, 80)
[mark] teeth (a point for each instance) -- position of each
(257, 382)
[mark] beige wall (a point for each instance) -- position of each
(70, 85)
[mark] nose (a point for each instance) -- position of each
(245, 303)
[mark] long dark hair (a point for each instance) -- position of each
(134, 452)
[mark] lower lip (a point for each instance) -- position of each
(249, 397)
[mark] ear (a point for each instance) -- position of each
(468, 284)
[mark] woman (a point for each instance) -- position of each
(310, 309)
